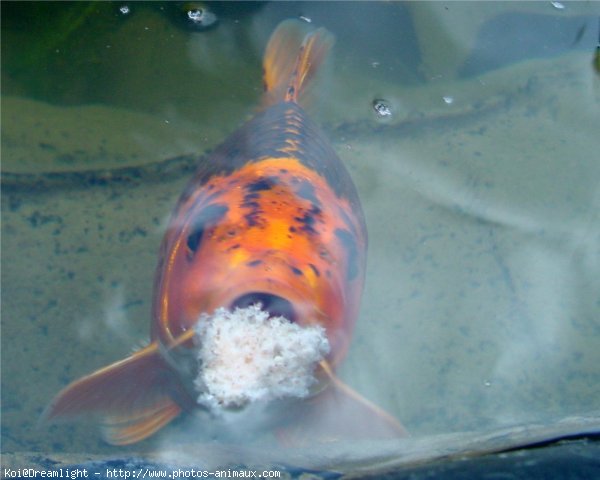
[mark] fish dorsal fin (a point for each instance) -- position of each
(132, 398)
(294, 54)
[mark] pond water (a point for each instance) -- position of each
(481, 189)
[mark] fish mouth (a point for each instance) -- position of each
(275, 305)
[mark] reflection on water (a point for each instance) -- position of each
(481, 307)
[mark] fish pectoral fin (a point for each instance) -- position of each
(339, 413)
(131, 428)
(132, 398)
(346, 398)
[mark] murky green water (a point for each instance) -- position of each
(481, 191)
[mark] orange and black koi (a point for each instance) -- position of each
(271, 216)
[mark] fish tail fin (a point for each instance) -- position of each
(293, 56)
(133, 398)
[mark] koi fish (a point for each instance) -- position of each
(270, 217)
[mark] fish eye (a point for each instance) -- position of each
(206, 218)
(194, 238)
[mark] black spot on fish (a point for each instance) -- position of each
(252, 219)
(255, 210)
(296, 271)
(324, 254)
(261, 184)
(254, 263)
(251, 196)
(314, 269)
(349, 245)
(207, 217)
(307, 220)
(254, 215)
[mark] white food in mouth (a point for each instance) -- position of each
(247, 356)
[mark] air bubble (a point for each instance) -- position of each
(382, 108)
(124, 9)
(448, 100)
(558, 5)
(201, 17)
